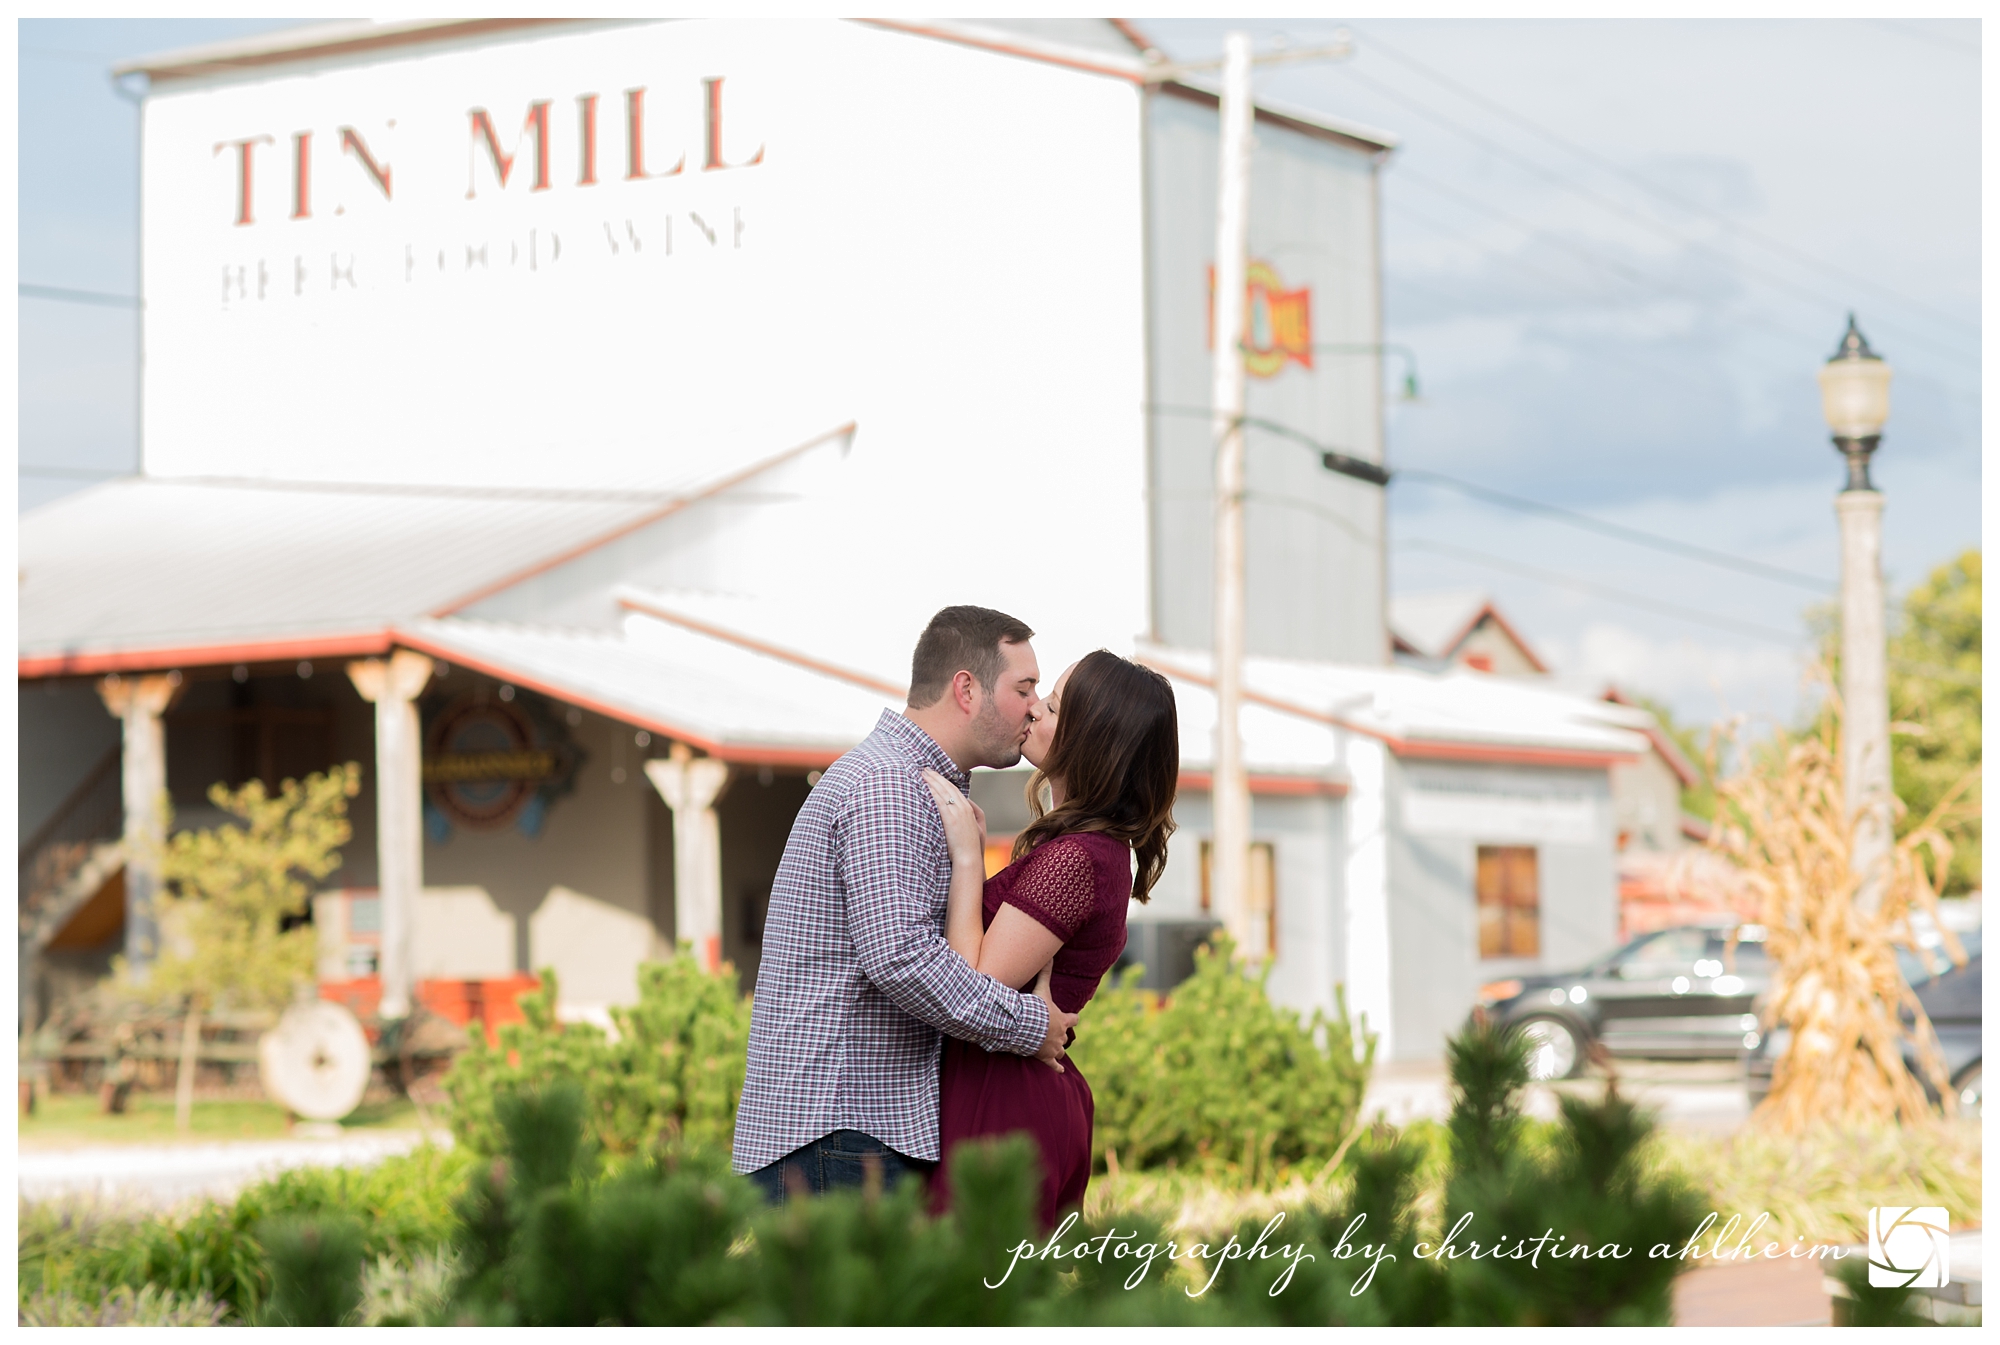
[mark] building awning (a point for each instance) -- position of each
(728, 700)
(1456, 716)
(163, 572)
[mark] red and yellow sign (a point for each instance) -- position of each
(1277, 322)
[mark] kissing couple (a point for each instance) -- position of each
(886, 941)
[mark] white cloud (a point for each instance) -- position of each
(1702, 681)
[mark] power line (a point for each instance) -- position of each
(1613, 205)
(1636, 536)
(1617, 595)
(1664, 287)
(1591, 156)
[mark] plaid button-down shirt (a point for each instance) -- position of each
(856, 982)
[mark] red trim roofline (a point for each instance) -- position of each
(283, 649)
(809, 758)
(1000, 46)
(1131, 33)
(1294, 786)
(1429, 749)
(1374, 148)
(1669, 750)
(1452, 645)
(728, 636)
(186, 64)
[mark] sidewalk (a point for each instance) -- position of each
(160, 1175)
(1688, 1095)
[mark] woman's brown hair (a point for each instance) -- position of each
(1117, 751)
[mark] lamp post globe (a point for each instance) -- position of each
(1854, 397)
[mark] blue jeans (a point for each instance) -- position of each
(841, 1159)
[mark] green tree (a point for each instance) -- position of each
(1934, 699)
(229, 890)
(1697, 745)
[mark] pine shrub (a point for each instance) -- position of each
(1216, 1076)
(315, 1270)
(675, 1070)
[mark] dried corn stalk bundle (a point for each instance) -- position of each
(1836, 984)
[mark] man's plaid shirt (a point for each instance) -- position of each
(856, 981)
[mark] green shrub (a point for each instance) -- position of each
(676, 1070)
(548, 1235)
(315, 1270)
(212, 1250)
(1216, 1076)
(150, 1306)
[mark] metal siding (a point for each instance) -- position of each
(1313, 561)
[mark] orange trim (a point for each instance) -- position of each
(1515, 635)
(548, 563)
(769, 650)
(1191, 94)
(1130, 32)
(1003, 48)
(809, 758)
(1291, 785)
(1417, 747)
(256, 651)
(449, 31)
(1669, 750)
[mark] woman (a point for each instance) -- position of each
(1105, 743)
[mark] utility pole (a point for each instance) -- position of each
(1229, 795)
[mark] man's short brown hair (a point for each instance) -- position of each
(961, 639)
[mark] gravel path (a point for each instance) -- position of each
(159, 1175)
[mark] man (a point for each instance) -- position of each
(856, 981)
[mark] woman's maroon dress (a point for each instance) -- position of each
(1077, 885)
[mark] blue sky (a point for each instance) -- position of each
(1618, 249)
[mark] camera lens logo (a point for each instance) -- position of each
(1909, 1248)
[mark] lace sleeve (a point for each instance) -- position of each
(1058, 886)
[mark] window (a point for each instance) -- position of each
(1671, 952)
(1509, 891)
(1263, 894)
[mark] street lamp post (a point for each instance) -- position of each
(1854, 394)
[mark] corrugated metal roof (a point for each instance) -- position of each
(188, 569)
(163, 563)
(728, 700)
(1415, 710)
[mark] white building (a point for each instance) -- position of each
(656, 381)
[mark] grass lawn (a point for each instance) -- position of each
(74, 1118)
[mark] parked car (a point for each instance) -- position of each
(1679, 993)
(1950, 996)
